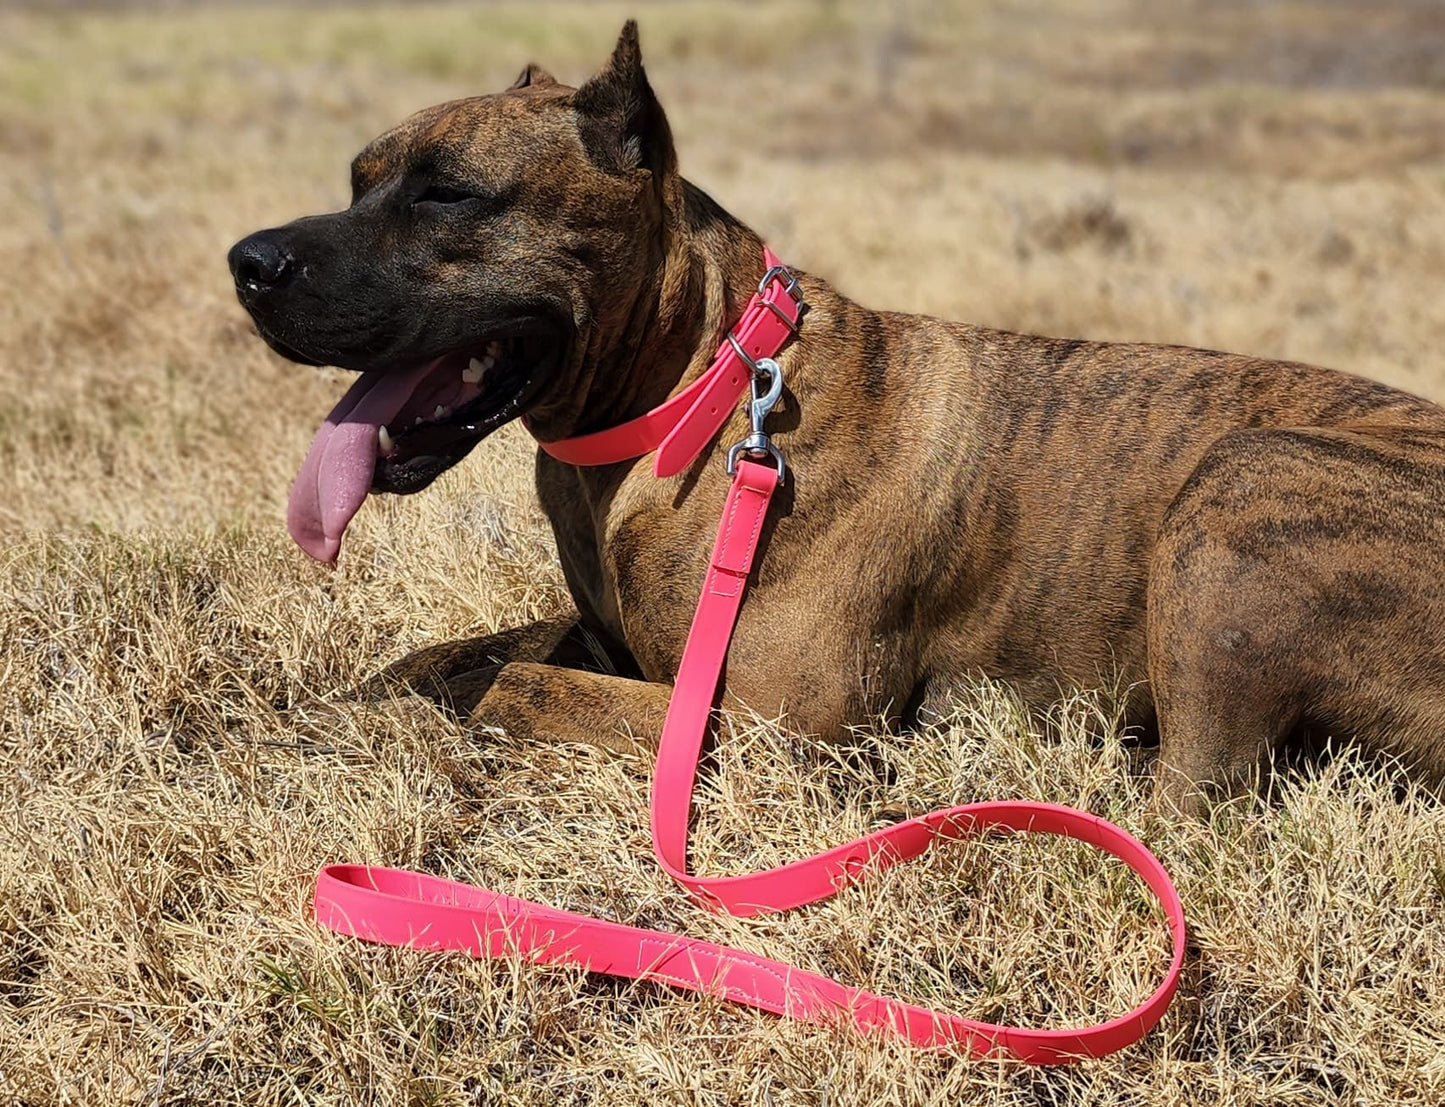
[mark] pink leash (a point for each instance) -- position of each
(426, 912)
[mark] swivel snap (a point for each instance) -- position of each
(757, 445)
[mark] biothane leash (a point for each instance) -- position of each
(426, 912)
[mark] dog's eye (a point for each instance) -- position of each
(444, 195)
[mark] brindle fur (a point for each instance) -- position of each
(1251, 546)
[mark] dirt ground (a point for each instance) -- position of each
(1267, 177)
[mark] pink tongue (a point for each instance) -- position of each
(337, 472)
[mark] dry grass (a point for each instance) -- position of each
(1265, 178)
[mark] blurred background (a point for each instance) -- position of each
(1263, 176)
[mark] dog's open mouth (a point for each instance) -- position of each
(398, 430)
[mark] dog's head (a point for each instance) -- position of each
(489, 244)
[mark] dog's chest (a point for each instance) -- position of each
(653, 559)
(634, 559)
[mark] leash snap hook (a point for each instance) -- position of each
(764, 402)
(758, 445)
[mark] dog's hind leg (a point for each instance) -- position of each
(1220, 671)
(1296, 580)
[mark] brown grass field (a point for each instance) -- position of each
(1265, 177)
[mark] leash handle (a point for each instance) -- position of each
(402, 908)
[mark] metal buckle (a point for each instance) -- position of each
(758, 445)
(789, 281)
(776, 272)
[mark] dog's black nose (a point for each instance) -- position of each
(260, 261)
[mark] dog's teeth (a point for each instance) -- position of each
(474, 370)
(439, 413)
(383, 439)
(417, 421)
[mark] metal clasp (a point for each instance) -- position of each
(758, 445)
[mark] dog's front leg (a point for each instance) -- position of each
(530, 700)
(456, 675)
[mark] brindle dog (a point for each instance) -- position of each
(1260, 539)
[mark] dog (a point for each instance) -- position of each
(1251, 547)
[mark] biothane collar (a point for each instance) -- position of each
(680, 428)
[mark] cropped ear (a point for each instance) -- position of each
(623, 126)
(532, 76)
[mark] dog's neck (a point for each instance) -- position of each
(707, 266)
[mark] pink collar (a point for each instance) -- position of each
(681, 427)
